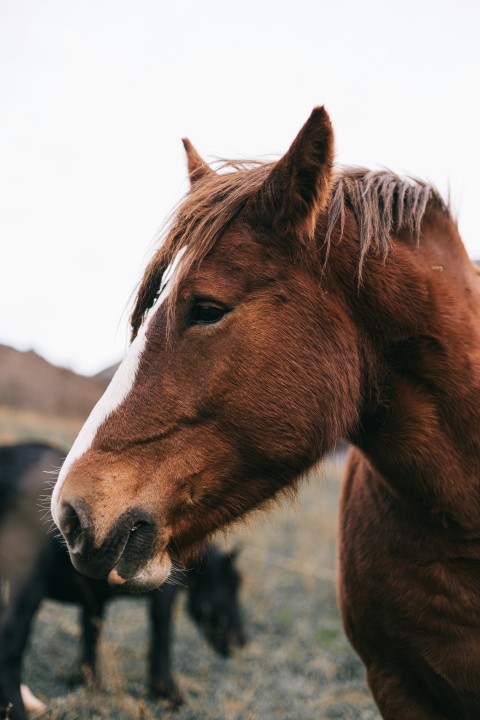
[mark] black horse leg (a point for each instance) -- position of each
(162, 683)
(92, 618)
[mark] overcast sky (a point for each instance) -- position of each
(96, 94)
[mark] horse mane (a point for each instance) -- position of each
(382, 202)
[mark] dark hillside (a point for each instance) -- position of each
(29, 382)
(40, 401)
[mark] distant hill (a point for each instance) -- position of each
(30, 382)
(40, 401)
(106, 375)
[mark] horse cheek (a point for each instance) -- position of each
(292, 384)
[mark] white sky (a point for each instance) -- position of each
(96, 94)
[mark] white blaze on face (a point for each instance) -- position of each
(118, 389)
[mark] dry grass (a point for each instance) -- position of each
(297, 663)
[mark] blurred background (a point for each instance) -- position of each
(94, 97)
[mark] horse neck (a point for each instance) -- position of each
(418, 314)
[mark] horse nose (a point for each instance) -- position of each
(125, 549)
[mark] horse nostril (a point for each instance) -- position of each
(72, 527)
(139, 546)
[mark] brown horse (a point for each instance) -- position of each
(292, 305)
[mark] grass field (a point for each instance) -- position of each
(297, 663)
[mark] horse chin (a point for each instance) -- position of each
(186, 549)
(150, 577)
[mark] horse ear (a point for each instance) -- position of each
(197, 167)
(298, 187)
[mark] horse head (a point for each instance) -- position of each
(243, 370)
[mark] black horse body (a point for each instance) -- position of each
(35, 565)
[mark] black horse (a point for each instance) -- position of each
(34, 564)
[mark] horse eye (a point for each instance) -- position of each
(204, 314)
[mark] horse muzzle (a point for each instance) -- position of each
(124, 552)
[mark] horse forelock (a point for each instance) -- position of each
(382, 202)
(198, 222)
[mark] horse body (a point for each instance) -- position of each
(309, 305)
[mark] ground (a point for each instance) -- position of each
(297, 663)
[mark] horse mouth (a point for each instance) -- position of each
(149, 576)
(145, 563)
